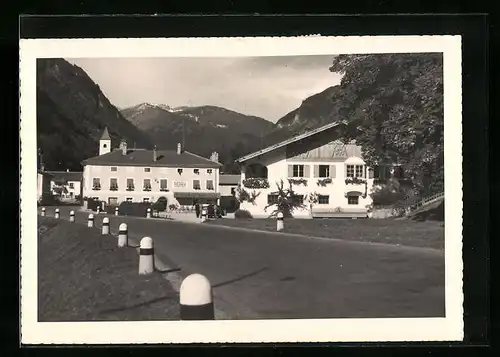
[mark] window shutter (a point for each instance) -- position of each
(370, 173)
(316, 170)
(332, 171)
(290, 170)
(307, 170)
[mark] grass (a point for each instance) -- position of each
(429, 234)
(83, 276)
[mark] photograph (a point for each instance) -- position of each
(286, 189)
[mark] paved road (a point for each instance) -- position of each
(261, 275)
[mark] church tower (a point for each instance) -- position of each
(105, 142)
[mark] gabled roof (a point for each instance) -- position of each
(105, 134)
(142, 157)
(65, 176)
(289, 141)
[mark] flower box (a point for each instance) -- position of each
(254, 182)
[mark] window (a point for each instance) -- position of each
(71, 185)
(210, 184)
(355, 171)
(146, 185)
(114, 168)
(209, 171)
(105, 146)
(233, 191)
(163, 185)
(353, 200)
(128, 199)
(324, 171)
(145, 199)
(130, 184)
(298, 199)
(96, 183)
(298, 170)
(147, 169)
(272, 199)
(196, 171)
(113, 184)
(196, 184)
(323, 200)
(179, 171)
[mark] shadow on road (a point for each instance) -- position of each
(145, 303)
(240, 277)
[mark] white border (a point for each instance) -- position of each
(326, 330)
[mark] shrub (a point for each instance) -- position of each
(48, 199)
(110, 209)
(242, 214)
(161, 204)
(135, 209)
(92, 204)
(287, 201)
(389, 195)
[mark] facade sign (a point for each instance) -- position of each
(179, 184)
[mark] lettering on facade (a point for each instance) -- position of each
(179, 184)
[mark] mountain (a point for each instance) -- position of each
(72, 112)
(315, 111)
(204, 128)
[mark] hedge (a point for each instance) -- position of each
(135, 209)
(242, 214)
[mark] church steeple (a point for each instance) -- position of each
(105, 142)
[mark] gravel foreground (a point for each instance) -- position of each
(83, 276)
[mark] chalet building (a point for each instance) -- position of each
(139, 175)
(329, 178)
(66, 184)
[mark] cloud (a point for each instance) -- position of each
(268, 87)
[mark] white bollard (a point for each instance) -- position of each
(146, 256)
(43, 211)
(148, 214)
(123, 235)
(203, 215)
(280, 225)
(56, 213)
(71, 216)
(195, 297)
(90, 222)
(116, 211)
(105, 226)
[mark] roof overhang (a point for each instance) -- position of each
(196, 194)
(289, 141)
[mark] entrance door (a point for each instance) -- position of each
(113, 201)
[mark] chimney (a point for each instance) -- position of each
(179, 148)
(154, 153)
(214, 157)
(123, 147)
(67, 170)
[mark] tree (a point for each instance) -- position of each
(287, 201)
(394, 106)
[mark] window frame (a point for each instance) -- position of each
(327, 171)
(300, 170)
(356, 199)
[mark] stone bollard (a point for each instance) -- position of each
(280, 225)
(105, 226)
(195, 297)
(90, 222)
(71, 216)
(98, 209)
(148, 213)
(43, 211)
(116, 211)
(203, 215)
(146, 256)
(123, 235)
(56, 213)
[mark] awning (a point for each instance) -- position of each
(354, 193)
(197, 194)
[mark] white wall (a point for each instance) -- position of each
(75, 190)
(277, 166)
(175, 182)
(225, 190)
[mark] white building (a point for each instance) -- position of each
(139, 175)
(330, 178)
(228, 184)
(66, 184)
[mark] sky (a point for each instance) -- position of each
(268, 87)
